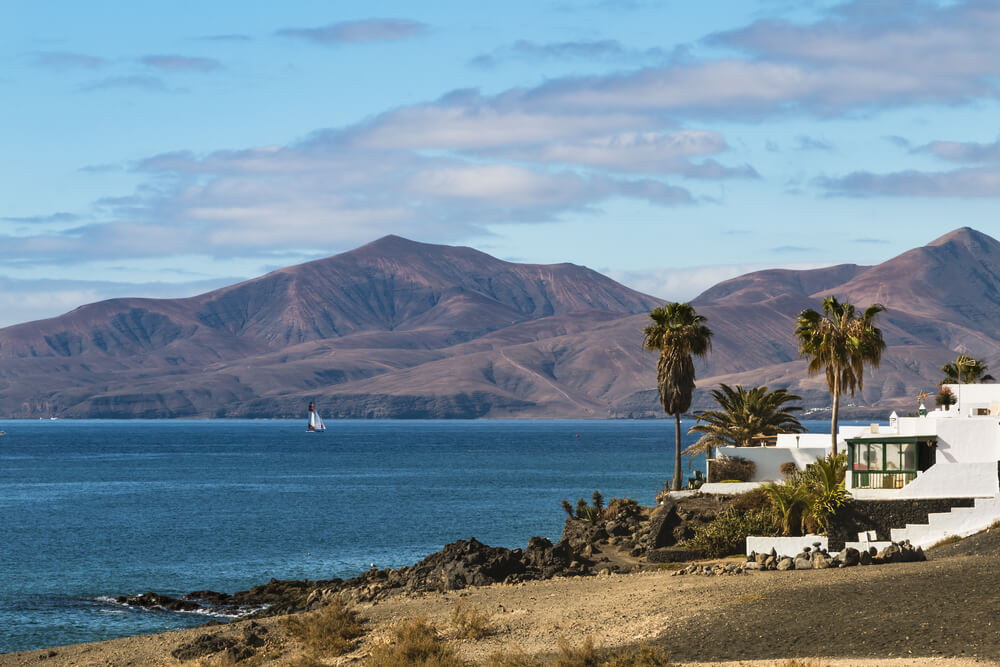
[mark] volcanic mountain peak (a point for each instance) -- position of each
(968, 238)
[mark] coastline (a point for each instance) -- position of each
(939, 612)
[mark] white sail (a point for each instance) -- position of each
(315, 421)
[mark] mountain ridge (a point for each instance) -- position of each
(398, 328)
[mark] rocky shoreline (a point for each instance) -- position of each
(624, 538)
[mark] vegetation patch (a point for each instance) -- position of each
(331, 631)
(727, 533)
(471, 623)
(414, 642)
(590, 655)
(951, 539)
(731, 468)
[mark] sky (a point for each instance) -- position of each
(163, 149)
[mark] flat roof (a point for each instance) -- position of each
(875, 437)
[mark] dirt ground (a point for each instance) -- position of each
(945, 611)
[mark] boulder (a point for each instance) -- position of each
(157, 601)
(663, 521)
(803, 563)
(891, 554)
(785, 563)
(865, 558)
(820, 561)
(851, 557)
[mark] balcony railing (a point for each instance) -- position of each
(870, 479)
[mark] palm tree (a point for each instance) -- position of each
(745, 415)
(825, 480)
(966, 370)
(788, 500)
(677, 333)
(841, 344)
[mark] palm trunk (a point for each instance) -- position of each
(836, 413)
(677, 453)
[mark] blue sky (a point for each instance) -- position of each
(163, 149)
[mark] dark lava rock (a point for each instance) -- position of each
(254, 634)
(240, 652)
(202, 646)
(663, 521)
(672, 555)
(209, 597)
(157, 601)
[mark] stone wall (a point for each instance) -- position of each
(884, 515)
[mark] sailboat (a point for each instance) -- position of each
(315, 424)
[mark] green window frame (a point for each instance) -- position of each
(888, 462)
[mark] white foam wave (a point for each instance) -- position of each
(230, 613)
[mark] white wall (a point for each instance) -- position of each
(769, 459)
(964, 440)
(944, 480)
(971, 396)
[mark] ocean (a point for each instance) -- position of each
(94, 509)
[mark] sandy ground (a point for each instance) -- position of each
(943, 612)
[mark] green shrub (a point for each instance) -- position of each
(731, 468)
(727, 533)
(755, 499)
(585, 512)
(789, 469)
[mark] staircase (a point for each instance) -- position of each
(959, 521)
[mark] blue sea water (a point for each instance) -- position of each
(91, 510)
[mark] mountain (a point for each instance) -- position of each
(403, 329)
(263, 347)
(941, 300)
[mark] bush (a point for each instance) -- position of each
(945, 398)
(589, 655)
(585, 512)
(470, 623)
(755, 499)
(727, 533)
(331, 631)
(731, 468)
(789, 469)
(415, 642)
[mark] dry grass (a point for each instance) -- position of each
(951, 539)
(590, 655)
(331, 631)
(415, 642)
(470, 623)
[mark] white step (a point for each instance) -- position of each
(960, 521)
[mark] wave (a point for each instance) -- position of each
(223, 612)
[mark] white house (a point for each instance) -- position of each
(949, 456)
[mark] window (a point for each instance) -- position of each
(888, 465)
